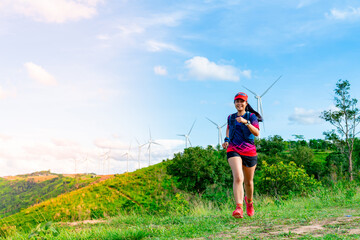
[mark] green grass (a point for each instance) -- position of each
(149, 189)
(22, 193)
(326, 209)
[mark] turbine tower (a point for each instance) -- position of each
(258, 98)
(151, 141)
(127, 154)
(139, 151)
(187, 136)
(219, 130)
(105, 159)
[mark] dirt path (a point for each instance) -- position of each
(102, 178)
(341, 227)
(94, 221)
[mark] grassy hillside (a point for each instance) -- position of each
(146, 190)
(20, 192)
(326, 214)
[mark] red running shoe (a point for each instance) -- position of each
(249, 208)
(238, 213)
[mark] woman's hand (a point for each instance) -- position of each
(225, 145)
(241, 120)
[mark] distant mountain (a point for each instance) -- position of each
(22, 191)
(147, 191)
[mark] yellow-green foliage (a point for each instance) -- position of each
(281, 179)
(23, 191)
(146, 190)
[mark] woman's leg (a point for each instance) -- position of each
(249, 181)
(238, 178)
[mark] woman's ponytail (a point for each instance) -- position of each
(250, 109)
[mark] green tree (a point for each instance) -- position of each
(345, 118)
(336, 163)
(337, 144)
(319, 144)
(272, 145)
(198, 168)
(304, 157)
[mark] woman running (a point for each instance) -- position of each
(241, 152)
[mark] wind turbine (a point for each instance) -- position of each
(151, 141)
(187, 136)
(258, 98)
(85, 160)
(139, 151)
(127, 154)
(105, 158)
(219, 129)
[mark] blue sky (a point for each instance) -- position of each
(80, 77)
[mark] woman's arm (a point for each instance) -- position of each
(226, 144)
(254, 130)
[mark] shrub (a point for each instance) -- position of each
(197, 168)
(336, 165)
(282, 179)
(271, 146)
(304, 157)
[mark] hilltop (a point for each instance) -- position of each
(22, 191)
(149, 189)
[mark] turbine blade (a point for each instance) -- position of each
(182, 135)
(150, 133)
(157, 143)
(224, 125)
(189, 142)
(250, 90)
(137, 141)
(212, 121)
(191, 128)
(271, 86)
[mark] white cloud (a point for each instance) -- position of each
(160, 70)
(131, 29)
(201, 68)
(5, 137)
(39, 74)
(171, 19)
(305, 116)
(155, 46)
(26, 154)
(105, 143)
(21, 154)
(54, 11)
(103, 37)
(64, 142)
(348, 13)
(246, 73)
(6, 93)
(305, 3)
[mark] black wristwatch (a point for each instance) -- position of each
(248, 122)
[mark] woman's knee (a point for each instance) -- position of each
(249, 183)
(238, 179)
